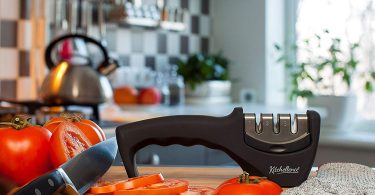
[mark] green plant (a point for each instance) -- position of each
(203, 67)
(322, 62)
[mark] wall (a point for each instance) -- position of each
(246, 30)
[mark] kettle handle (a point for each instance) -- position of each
(48, 52)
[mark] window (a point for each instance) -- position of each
(319, 23)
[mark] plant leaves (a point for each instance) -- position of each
(368, 86)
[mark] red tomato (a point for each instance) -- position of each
(136, 182)
(150, 95)
(91, 130)
(125, 95)
(169, 186)
(24, 153)
(66, 142)
(251, 185)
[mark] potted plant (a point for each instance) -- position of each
(323, 74)
(206, 77)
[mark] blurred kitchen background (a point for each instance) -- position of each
(196, 57)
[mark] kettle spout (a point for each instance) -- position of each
(107, 69)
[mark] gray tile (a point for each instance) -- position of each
(8, 89)
(24, 64)
(162, 43)
(124, 60)
(173, 60)
(195, 24)
(205, 7)
(8, 34)
(185, 4)
(205, 45)
(184, 44)
(137, 41)
(150, 62)
(25, 9)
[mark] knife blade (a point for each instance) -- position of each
(80, 172)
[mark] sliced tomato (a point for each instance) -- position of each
(140, 181)
(136, 182)
(169, 186)
(91, 130)
(66, 142)
(103, 187)
(199, 190)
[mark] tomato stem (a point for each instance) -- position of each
(19, 121)
(245, 178)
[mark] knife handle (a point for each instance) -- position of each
(45, 184)
(213, 132)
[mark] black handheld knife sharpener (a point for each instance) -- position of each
(283, 152)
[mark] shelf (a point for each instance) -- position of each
(151, 23)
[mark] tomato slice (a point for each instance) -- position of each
(199, 190)
(169, 186)
(140, 181)
(66, 142)
(136, 182)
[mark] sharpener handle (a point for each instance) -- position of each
(213, 132)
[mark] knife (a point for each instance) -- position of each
(80, 172)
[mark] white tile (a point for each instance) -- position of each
(205, 25)
(195, 6)
(161, 61)
(137, 61)
(173, 3)
(187, 21)
(24, 34)
(9, 64)
(136, 37)
(123, 41)
(26, 89)
(9, 9)
(194, 44)
(173, 43)
(150, 42)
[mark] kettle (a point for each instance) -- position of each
(73, 83)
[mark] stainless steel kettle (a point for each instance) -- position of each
(69, 83)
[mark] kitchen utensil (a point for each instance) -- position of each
(80, 172)
(283, 152)
(76, 82)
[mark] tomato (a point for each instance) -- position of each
(136, 182)
(200, 190)
(66, 142)
(250, 185)
(169, 186)
(92, 131)
(125, 95)
(24, 151)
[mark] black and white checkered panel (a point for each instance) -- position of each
(15, 47)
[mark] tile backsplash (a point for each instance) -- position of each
(21, 59)
(155, 48)
(19, 49)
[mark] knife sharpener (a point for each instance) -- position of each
(283, 152)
